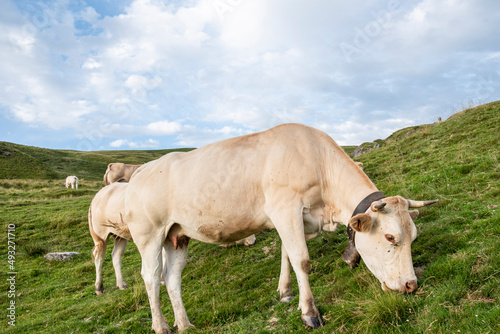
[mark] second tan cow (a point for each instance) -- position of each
(106, 219)
(119, 172)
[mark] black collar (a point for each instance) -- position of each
(367, 201)
(361, 208)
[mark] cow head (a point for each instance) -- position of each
(386, 232)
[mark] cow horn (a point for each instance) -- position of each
(377, 206)
(419, 204)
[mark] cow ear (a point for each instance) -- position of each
(413, 214)
(361, 222)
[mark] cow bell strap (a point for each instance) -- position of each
(367, 201)
(362, 207)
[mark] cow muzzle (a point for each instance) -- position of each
(409, 287)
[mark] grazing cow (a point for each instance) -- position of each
(119, 172)
(106, 218)
(72, 181)
(293, 178)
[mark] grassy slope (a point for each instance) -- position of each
(233, 290)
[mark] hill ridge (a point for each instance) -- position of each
(24, 162)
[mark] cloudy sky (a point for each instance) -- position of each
(134, 74)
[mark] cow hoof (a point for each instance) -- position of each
(185, 327)
(124, 286)
(99, 292)
(164, 330)
(311, 321)
(286, 296)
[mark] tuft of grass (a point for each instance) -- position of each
(33, 249)
(389, 311)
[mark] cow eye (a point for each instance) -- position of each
(390, 238)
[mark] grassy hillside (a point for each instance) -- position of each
(234, 290)
(27, 162)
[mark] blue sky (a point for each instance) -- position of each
(137, 74)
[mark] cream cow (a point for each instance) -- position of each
(106, 219)
(293, 178)
(119, 172)
(72, 181)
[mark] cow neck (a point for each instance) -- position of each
(361, 208)
(344, 184)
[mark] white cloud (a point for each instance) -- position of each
(150, 143)
(244, 23)
(163, 128)
(119, 143)
(89, 14)
(91, 64)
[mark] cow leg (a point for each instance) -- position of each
(290, 226)
(284, 285)
(117, 255)
(151, 272)
(176, 260)
(99, 252)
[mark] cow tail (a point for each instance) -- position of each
(99, 243)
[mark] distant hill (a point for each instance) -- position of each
(477, 127)
(28, 162)
(468, 142)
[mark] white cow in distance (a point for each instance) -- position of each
(293, 178)
(72, 181)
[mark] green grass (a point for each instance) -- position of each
(233, 290)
